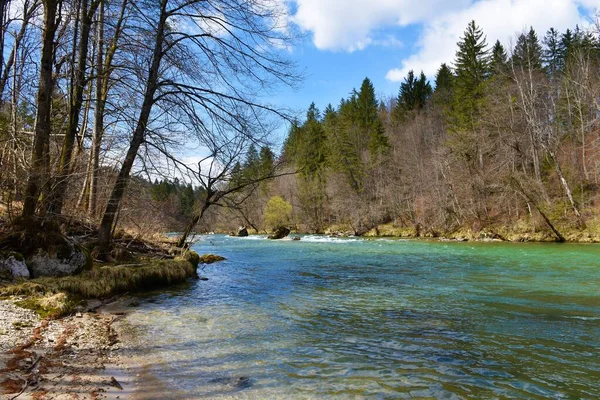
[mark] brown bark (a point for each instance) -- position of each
(57, 197)
(104, 67)
(39, 156)
(104, 233)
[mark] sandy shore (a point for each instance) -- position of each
(77, 357)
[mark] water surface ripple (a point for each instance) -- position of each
(350, 318)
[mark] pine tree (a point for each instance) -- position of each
(472, 66)
(444, 87)
(368, 121)
(406, 96)
(528, 51)
(423, 91)
(414, 94)
(472, 63)
(252, 163)
(346, 149)
(551, 55)
(499, 59)
(266, 161)
(311, 152)
(444, 78)
(567, 40)
(290, 145)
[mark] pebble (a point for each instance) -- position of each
(10, 333)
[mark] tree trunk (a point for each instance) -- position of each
(41, 139)
(104, 233)
(104, 67)
(567, 189)
(57, 198)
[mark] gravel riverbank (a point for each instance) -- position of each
(72, 357)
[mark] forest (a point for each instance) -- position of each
(103, 101)
(502, 144)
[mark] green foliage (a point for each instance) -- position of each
(278, 212)
(528, 51)
(551, 54)
(472, 65)
(344, 155)
(413, 95)
(444, 86)
(368, 122)
(499, 61)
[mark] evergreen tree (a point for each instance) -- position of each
(187, 199)
(423, 91)
(368, 120)
(252, 163)
(528, 51)
(499, 59)
(414, 94)
(444, 83)
(567, 41)
(552, 57)
(291, 143)
(472, 63)
(346, 149)
(472, 66)
(237, 175)
(266, 161)
(311, 149)
(407, 100)
(444, 78)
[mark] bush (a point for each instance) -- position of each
(278, 212)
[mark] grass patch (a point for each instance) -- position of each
(57, 297)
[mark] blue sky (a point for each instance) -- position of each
(348, 40)
(345, 41)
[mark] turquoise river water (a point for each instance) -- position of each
(352, 318)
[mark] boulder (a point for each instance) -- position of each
(242, 232)
(280, 233)
(210, 258)
(62, 260)
(296, 238)
(12, 265)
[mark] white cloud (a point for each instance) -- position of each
(499, 19)
(350, 25)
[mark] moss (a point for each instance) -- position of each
(210, 258)
(51, 306)
(16, 255)
(191, 257)
(59, 296)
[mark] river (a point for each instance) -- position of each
(352, 318)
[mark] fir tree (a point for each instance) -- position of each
(499, 59)
(472, 63)
(472, 66)
(528, 51)
(551, 54)
(368, 120)
(444, 84)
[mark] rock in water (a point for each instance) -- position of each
(210, 258)
(242, 232)
(241, 382)
(13, 266)
(280, 233)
